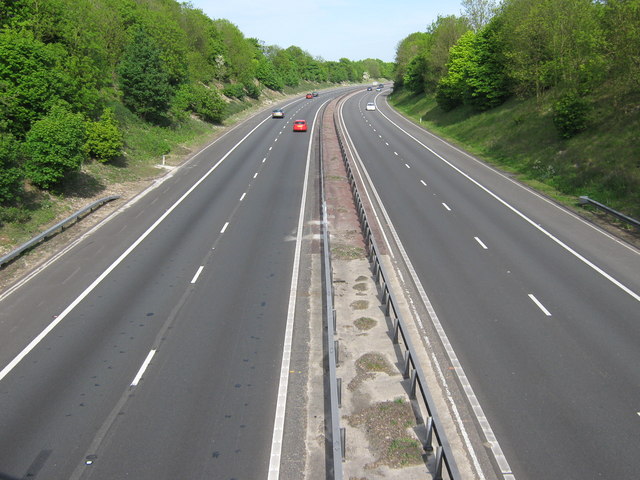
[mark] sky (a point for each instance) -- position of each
(331, 29)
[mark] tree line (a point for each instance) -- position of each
(526, 48)
(62, 62)
(579, 60)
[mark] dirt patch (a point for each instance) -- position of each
(365, 323)
(388, 429)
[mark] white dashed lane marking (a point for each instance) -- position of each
(195, 277)
(481, 243)
(540, 306)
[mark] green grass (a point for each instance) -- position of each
(519, 137)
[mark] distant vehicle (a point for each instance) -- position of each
(379, 88)
(369, 89)
(315, 94)
(371, 106)
(299, 125)
(277, 113)
(309, 95)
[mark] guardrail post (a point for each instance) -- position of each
(407, 364)
(438, 473)
(339, 384)
(396, 330)
(343, 441)
(428, 444)
(336, 349)
(414, 381)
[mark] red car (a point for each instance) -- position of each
(309, 95)
(299, 125)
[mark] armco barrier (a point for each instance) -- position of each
(57, 228)
(610, 211)
(444, 462)
(336, 434)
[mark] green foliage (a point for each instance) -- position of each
(550, 43)
(267, 74)
(11, 175)
(234, 90)
(476, 75)
(201, 100)
(33, 76)
(104, 138)
(253, 90)
(55, 147)
(571, 114)
(144, 82)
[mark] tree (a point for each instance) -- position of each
(11, 174)
(143, 80)
(104, 138)
(552, 43)
(55, 146)
(33, 76)
(478, 12)
(267, 74)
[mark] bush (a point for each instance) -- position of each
(14, 215)
(11, 175)
(144, 81)
(104, 138)
(266, 73)
(252, 90)
(234, 90)
(55, 147)
(571, 114)
(204, 101)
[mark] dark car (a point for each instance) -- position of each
(299, 125)
(315, 94)
(369, 89)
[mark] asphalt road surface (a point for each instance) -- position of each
(542, 309)
(153, 348)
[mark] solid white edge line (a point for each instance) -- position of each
(143, 368)
(540, 306)
(26, 350)
(195, 277)
(281, 406)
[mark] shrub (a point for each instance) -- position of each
(571, 114)
(204, 101)
(234, 90)
(144, 80)
(252, 90)
(55, 147)
(104, 138)
(10, 173)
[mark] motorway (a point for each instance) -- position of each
(153, 347)
(541, 310)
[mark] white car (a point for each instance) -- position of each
(371, 106)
